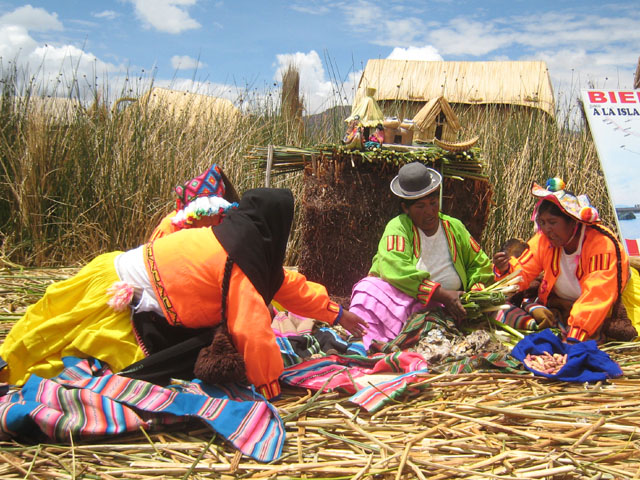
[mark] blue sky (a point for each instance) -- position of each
(230, 48)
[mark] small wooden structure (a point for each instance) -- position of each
(397, 132)
(436, 120)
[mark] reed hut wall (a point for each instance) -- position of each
(193, 108)
(346, 208)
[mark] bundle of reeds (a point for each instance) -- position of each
(489, 299)
(463, 164)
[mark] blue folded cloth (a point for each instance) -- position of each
(585, 361)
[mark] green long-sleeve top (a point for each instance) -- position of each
(399, 251)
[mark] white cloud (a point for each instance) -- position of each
(311, 9)
(370, 19)
(15, 39)
(51, 68)
(34, 19)
(55, 59)
(428, 52)
(185, 62)
(404, 32)
(464, 37)
(363, 15)
(108, 14)
(169, 16)
(588, 31)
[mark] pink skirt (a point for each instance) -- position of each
(385, 308)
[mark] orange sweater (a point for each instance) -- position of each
(186, 269)
(596, 273)
(165, 227)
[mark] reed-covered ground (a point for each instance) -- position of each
(489, 425)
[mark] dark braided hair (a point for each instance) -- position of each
(226, 279)
(616, 305)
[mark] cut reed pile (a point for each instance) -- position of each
(483, 425)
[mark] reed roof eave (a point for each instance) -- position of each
(522, 83)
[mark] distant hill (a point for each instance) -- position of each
(332, 119)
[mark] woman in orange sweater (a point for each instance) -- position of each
(585, 267)
(180, 277)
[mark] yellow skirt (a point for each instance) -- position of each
(71, 319)
(631, 298)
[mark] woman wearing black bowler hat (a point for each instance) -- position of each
(425, 259)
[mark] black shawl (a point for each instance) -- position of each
(255, 236)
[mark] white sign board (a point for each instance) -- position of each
(614, 119)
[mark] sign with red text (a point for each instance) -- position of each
(614, 120)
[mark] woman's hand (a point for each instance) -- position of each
(501, 262)
(452, 303)
(352, 322)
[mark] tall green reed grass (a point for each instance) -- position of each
(522, 146)
(91, 180)
(98, 179)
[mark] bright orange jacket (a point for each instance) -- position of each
(165, 227)
(186, 270)
(596, 272)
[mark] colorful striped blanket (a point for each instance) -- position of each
(342, 372)
(88, 400)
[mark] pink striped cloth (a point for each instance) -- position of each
(374, 397)
(384, 307)
(335, 372)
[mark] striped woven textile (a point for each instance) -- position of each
(517, 317)
(374, 397)
(88, 400)
(340, 372)
(298, 348)
(336, 372)
(290, 352)
(416, 327)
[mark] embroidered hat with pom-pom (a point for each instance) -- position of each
(202, 196)
(577, 207)
(555, 184)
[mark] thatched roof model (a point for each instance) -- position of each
(430, 111)
(367, 110)
(197, 107)
(524, 83)
(436, 112)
